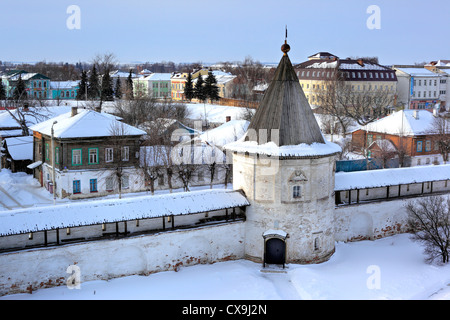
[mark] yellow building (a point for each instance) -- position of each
(322, 70)
(178, 82)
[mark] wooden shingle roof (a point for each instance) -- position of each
(285, 108)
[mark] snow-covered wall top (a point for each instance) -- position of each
(390, 177)
(105, 211)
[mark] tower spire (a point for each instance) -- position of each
(285, 47)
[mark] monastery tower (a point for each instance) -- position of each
(286, 169)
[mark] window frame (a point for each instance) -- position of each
(296, 192)
(78, 184)
(96, 156)
(81, 157)
(93, 183)
(419, 146)
(107, 155)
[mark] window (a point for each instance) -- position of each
(160, 179)
(419, 146)
(125, 153)
(109, 154)
(76, 186)
(93, 155)
(93, 185)
(125, 182)
(296, 192)
(76, 157)
(109, 183)
(57, 155)
(47, 152)
(428, 145)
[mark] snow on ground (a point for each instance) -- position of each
(21, 190)
(389, 268)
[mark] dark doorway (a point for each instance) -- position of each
(275, 251)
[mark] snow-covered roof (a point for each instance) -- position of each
(20, 148)
(271, 149)
(403, 122)
(86, 123)
(415, 72)
(390, 177)
(228, 132)
(64, 84)
(33, 116)
(158, 77)
(90, 213)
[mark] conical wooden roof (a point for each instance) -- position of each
(284, 107)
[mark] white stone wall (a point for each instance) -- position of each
(370, 221)
(32, 269)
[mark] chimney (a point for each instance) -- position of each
(360, 62)
(74, 111)
(416, 114)
(228, 118)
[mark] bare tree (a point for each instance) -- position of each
(151, 164)
(118, 142)
(429, 220)
(347, 101)
(441, 131)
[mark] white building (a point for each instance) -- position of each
(419, 88)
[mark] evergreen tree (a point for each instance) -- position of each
(94, 86)
(107, 89)
(118, 91)
(82, 86)
(188, 88)
(129, 92)
(2, 91)
(211, 88)
(19, 92)
(199, 90)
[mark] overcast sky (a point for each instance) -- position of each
(210, 31)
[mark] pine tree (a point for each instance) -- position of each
(129, 92)
(19, 92)
(94, 86)
(107, 89)
(188, 88)
(2, 91)
(199, 90)
(118, 91)
(82, 86)
(211, 88)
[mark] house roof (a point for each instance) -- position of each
(86, 123)
(143, 207)
(403, 122)
(34, 116)
(416, 72)
(20, 148)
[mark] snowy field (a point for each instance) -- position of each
(391, 268)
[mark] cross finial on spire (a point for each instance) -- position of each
(285, 47)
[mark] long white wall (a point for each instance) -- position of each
(22, 271)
